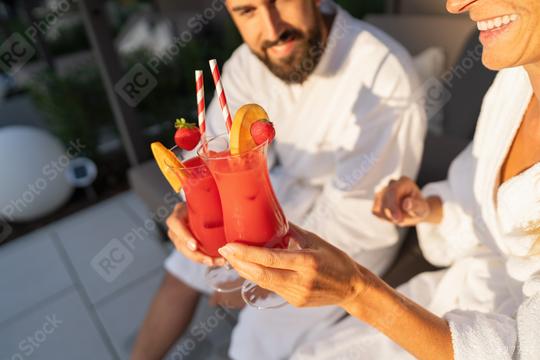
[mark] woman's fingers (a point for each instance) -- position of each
(401, 203)
(415, 207)
(268, 278)
(386, 204)
(391, 203)
(270, 258)
(275, 280)
(377, 204)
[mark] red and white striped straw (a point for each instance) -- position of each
(201, 112)
(221, 94)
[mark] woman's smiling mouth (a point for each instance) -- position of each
(490, 29)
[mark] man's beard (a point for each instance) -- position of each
(297, 67)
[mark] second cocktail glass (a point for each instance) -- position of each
(251, 212)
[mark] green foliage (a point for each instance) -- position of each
(71, 39)
(74, 105)
(168, 98)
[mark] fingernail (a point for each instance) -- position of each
(407, 204)
(225, 251)
(208, 262)
(192, 245)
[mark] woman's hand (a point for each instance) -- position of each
(319, 274)
(183, 239)
(403, 204)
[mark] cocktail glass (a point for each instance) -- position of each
(205, 217)
(251, 212)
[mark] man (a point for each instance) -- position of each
(341, 96)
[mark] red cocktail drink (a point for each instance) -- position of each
(251, 213)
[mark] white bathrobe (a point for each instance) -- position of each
(343, 133)
(490, 294)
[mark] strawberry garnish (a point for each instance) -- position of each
(262, 130)
(187, 135)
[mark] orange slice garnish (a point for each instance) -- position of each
(240, 136)
(169, 165)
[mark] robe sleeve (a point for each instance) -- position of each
(383, 141)
(481, 336)
(456, 235)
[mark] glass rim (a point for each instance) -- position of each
(183, 168)
(205, 157)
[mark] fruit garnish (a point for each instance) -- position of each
(187, 135)
(167, 162)
(262, 131)
(241, 139)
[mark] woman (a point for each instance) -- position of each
(483, 222)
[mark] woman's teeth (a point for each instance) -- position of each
(496, 22)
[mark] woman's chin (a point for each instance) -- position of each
(496, 62)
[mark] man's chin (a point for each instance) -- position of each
(288, 74)
(291, 68)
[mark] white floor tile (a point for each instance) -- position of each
(109, 248)
(136, 204)
(124, 313)
(62, 329)
(31, 270)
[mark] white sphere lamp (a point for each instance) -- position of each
(32, 179)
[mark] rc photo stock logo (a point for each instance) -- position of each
(112, 260)
(15, 52)
(29, 346)
(135, 85)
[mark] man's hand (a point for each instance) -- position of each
(403, 204)
(183, 239)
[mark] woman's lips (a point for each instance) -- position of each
(487, 37)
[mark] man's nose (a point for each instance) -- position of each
(272, 23)
(459, 6)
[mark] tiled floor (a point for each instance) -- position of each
(79, 288)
